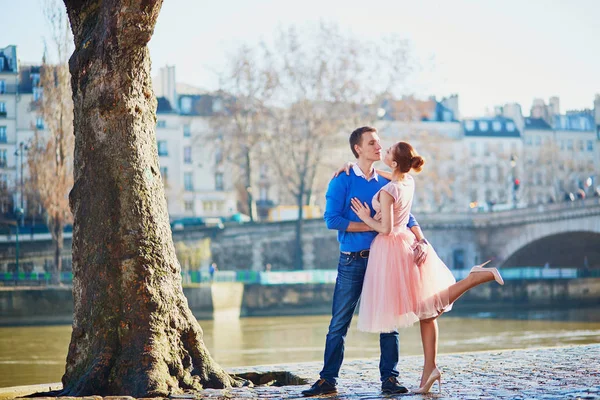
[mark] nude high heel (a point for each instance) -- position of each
(435, 375)
(494, 271)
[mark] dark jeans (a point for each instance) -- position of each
(348, 286)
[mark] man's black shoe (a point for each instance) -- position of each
(391, 385)
(320, 387)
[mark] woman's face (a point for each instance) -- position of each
(388, 159)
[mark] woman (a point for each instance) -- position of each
(397, 292)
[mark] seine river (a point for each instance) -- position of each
(31, 355)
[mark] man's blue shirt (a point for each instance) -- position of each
(338, 213)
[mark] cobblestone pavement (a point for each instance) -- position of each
(549, 373)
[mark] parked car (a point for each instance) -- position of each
(195, 222)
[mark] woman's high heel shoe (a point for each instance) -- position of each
(435, 375)
(494, 271)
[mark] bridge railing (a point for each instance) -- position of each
(300, 277)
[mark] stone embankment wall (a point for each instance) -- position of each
(231, 300)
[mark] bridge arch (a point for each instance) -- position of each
(564, 241)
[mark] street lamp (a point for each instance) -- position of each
(515, 181)
(23, 147)
(18, 215)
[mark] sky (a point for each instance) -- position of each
(489, 52)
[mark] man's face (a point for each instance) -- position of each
(369, 149)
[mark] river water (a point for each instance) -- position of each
(31, 355)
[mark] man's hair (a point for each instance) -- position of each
(356, 137)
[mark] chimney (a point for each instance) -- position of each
(452, 104)
(554, 104)
(597, 109)
(167, 85)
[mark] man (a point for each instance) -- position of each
(355, 239)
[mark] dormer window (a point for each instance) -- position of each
(510, 126)
(483, 126)
(186, 105)
(496, 126)
(469, 125)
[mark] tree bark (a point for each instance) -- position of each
(133, 332)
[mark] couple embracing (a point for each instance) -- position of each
(386, 262)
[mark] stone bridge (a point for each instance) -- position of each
(562, 234)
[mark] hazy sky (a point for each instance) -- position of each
(489, 52)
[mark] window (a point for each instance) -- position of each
(486, 149)
(218, 156)
(219, 181)
(2, 134)
(473, 149)
(207, 206)
(188, 205)
(187, 154)
(474, 174)
(186, 105)
(528, 140)
(39, 122)
(538, 178)
(538, 141)
(590, 145)
(2, 86)
(483, 126)
(3, 158)
(263, 193)
(496, 126)
(562, 144)
(502, 196)
(488, 196)
(187, 130)
(162, 148)
(3, 108)
(469, 126)
(458, 259)
(188, 181)
(161, 123)
(500, 174)
(486, 173)
(3, 181)
(37, 93)
(164, 173)
(581, 145)
(570, 144)
(510, 126)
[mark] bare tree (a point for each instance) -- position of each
(133, 332)
(240, 128)
(326, 79)
(50, 156)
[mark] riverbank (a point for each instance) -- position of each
(54, 305)
(544, 373)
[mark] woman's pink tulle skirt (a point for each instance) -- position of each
(396, 292)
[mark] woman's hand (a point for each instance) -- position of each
(361, 209)
(420, 250)
(345, 168)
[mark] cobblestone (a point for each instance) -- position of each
(549, 373)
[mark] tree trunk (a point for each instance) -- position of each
(133, 332)
(251, 202)
(298, 254)
(58, 247)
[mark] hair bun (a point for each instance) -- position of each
(416, 163)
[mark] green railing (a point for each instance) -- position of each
(302, 277)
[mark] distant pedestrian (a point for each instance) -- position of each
(212, 269)
(268, 268)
